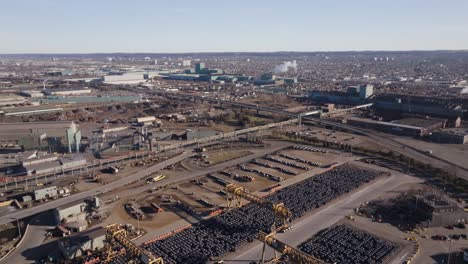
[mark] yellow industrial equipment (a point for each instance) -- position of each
(115, 231)
(294, 255)
(236, 193)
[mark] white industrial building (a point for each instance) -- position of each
(67, 92)
(49, 163)
(70, 212)
(46, 193)
(126, 78)
(147, 120)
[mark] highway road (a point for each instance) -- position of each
(33, 239)
(96, 191)
(307, 226)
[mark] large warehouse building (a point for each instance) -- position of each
(406, 127)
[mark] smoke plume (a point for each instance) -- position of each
(285, 66)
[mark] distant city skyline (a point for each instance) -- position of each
(184, 26)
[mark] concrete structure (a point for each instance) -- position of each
(74, 246)
(45, 193)
(441, 211)
(73, 139)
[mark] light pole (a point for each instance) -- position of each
(18, 225)
(138, 224)
(450, 248)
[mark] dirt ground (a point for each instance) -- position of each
(152, 221)
(217, 157)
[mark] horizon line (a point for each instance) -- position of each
(231, 52)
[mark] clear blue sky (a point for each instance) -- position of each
(83, 26)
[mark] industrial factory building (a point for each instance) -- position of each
(441, 211)
(353, 95)
(50, 163)
(69, 211)
(390, 103)
(56, 136)
(405, 127)
(74, 246)
(452, 136)
(45, 193)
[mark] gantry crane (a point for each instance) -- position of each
(115, 231)
(294, 255)
(236, 193)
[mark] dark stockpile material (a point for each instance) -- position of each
(345, 245)
(214, 237)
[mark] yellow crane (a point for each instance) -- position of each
(294, 255)
(115, 231)
(236, 193)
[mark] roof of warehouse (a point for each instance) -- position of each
(383, 123)
(34, 125)
(29, 108)
(42, 166)
(418, 122)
